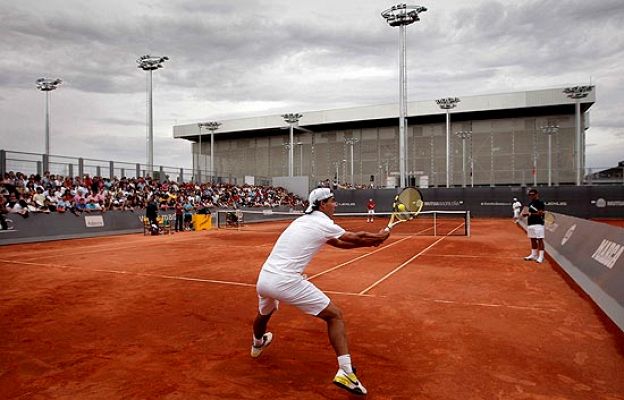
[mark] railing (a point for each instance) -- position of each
(37, 163)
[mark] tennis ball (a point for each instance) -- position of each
(401, 207)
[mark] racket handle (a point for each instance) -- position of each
(387, 229)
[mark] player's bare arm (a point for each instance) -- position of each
(350, 240)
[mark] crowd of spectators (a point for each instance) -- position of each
(49, 193)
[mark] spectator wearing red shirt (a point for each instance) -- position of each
(371, 210)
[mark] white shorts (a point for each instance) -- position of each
(371, 211)
(535, 231)
(517, 214)
(294, 290)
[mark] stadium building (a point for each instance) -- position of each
(495, 140)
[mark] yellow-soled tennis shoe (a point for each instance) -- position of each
(349, 382)
(267, 338)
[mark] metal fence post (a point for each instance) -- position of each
(122, 172)
(46, 162)
(111, 166)
(138, 171)
(39, 168)
(181, 177)
(98, 171)
(81, 167)
(3, 166)
(70, 170)
(161, 178)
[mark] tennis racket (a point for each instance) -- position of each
(406, 206)
(549, 218)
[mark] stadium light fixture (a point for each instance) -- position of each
(550, 130)
(292, 119)
(446, 104)
(351, 142)
(577, 93)
(150, 63)
(212, 126)
(464, 135)
(47, 85)
(402, 15)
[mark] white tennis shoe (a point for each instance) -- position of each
(530, 258)
(349, 382)
(539, 260)
(267, 338)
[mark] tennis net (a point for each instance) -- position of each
(427, 223)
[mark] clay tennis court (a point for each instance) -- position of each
(169, 317)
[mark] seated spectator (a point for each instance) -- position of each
(17, 206)
(80, 205)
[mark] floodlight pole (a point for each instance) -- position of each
(351, 142)
(577, 93)
(47, 85)
(292, 119)
(464, 135)
(212, 126)
(402, 15)
(550, 130)
(150, 63)
(446, 104)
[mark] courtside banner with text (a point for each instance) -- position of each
(592, 253)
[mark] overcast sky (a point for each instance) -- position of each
(240, 58)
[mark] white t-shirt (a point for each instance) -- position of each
(517, 206)
(303, 238)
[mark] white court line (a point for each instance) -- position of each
(161, 276)
(356, 259)
(389, 274)
(111, 246)
(364, 255)
(461, 303)
(473, 256)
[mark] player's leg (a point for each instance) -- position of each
(533, 255)
(261, 338)
(345, 378)
(266, 307)
(311, 300)
(540, 250)
(335, 329)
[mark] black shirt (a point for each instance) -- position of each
(535, 206)
(151, 211)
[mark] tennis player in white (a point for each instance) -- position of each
(516, 206)
(281, 279)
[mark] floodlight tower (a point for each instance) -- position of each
(550, 130)
(47, 85)
(464, 135)
(212, 126)
(446, 104)
(150, 63)
(351, 142)
(402, 15)
(577, 93)
(292, 119)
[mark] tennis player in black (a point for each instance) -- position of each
(535, 226)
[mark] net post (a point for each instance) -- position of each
(435, 224)
(468, 223)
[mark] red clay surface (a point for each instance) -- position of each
(169, 317)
